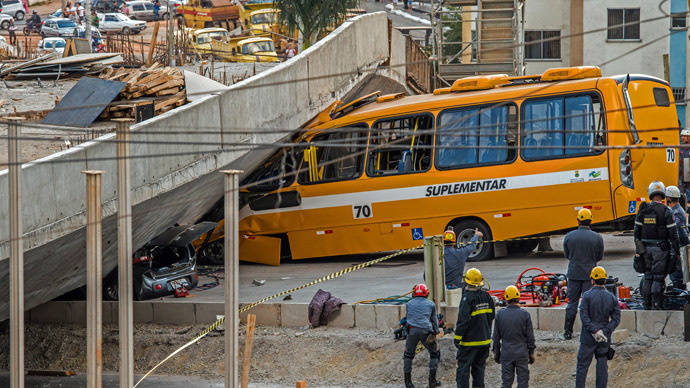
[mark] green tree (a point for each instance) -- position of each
(312, 17)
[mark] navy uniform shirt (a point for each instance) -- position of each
(584, 248)
(599, 310)
(513, 333)
(681, 224)
(454, 262)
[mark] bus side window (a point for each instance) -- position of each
(471, 136)
(400, 145)
(334, 156)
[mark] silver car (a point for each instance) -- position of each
(14, 8)
(59, 27)
(164, 265)
(5, 21)
(140, 10)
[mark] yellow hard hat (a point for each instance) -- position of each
(474, 277)
(449, 236)
(584, 215)
(598, 273)
(512, 293)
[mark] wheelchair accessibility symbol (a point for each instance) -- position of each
(632, 205)
(417, 234)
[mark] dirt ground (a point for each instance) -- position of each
(341, 357)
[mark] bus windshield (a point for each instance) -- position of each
(257, 47)
(278, 171)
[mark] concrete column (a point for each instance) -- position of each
(94, 281)
(124, 254)
(576, 29)
(16, 255)
(232, 279)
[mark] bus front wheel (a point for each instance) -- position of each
(464, 230)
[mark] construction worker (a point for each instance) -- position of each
(673, 201)
(455, 256)
(473, 331)
(422, 323)
(600, 314)
(656, 240)
(584, 248)
(513, 341)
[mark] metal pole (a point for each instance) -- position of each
(16, 255)
(124, 254)
(429, 266)
(436, 276)
(87, 20)
(232, 279)
(94, 280)
(171, 41)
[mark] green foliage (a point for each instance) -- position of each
(312, 17)
(452, 33)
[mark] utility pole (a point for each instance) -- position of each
(94, 281)
(171, 36)
(232, 279)
(124, 255)
(87, 20)
(16, 255)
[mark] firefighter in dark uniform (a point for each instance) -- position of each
(680, 217)
(656, 240)
(422, 324)
(455, 257)
(600, 314)
(513, 341)
(473, 331)
(584, 248)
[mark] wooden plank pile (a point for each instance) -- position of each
(163, 87)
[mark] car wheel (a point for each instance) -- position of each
(133, 18)
(43, 35)
(214, 253)
(464, 230)
(125, 30)
(5, 25)
(19, 15)
(165, 16)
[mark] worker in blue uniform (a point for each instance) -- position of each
(600, 314)
(656, 241)
(455, 256)
(680, 217)
(513, 341)
(422, 324)
(473, 331)
(584, 248)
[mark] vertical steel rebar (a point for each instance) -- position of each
(124, 254)
(16, 255)
(232, 280)
(94, 280)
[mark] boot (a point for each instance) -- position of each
(408, 380)
(657, 302)
(568, 327)
(433, 383)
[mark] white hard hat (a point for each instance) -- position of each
(672, 192)
(656, 188)
(685, 132)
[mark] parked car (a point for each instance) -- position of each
(5, 21)
(163, 264)
(141, 10)
(119, 23)
(49, 45)
(14, 8)
(59, 27)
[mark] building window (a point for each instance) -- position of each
(678, 21)
(624, 24)
(542, 44)
(679, 95)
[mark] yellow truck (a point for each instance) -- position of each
(210, 13)
(201, 40)
(246, 49)
(262, 22)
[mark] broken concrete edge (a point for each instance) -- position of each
(381, 316)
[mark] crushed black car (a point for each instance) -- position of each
(163, 265)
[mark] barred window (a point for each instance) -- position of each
(543, 44)
(624, 24)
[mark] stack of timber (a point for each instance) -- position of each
(46, 67)
(161, 87)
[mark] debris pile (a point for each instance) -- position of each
(163, 88)
(48, 68)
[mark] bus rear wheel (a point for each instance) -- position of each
(464, 230)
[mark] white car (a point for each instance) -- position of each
(14, 8)
(48, 45)
(119, 23)
(5, 21)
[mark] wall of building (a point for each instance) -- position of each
(548, 15)
(615, 57)
(677, 57)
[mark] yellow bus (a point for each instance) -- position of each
(510, 156)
